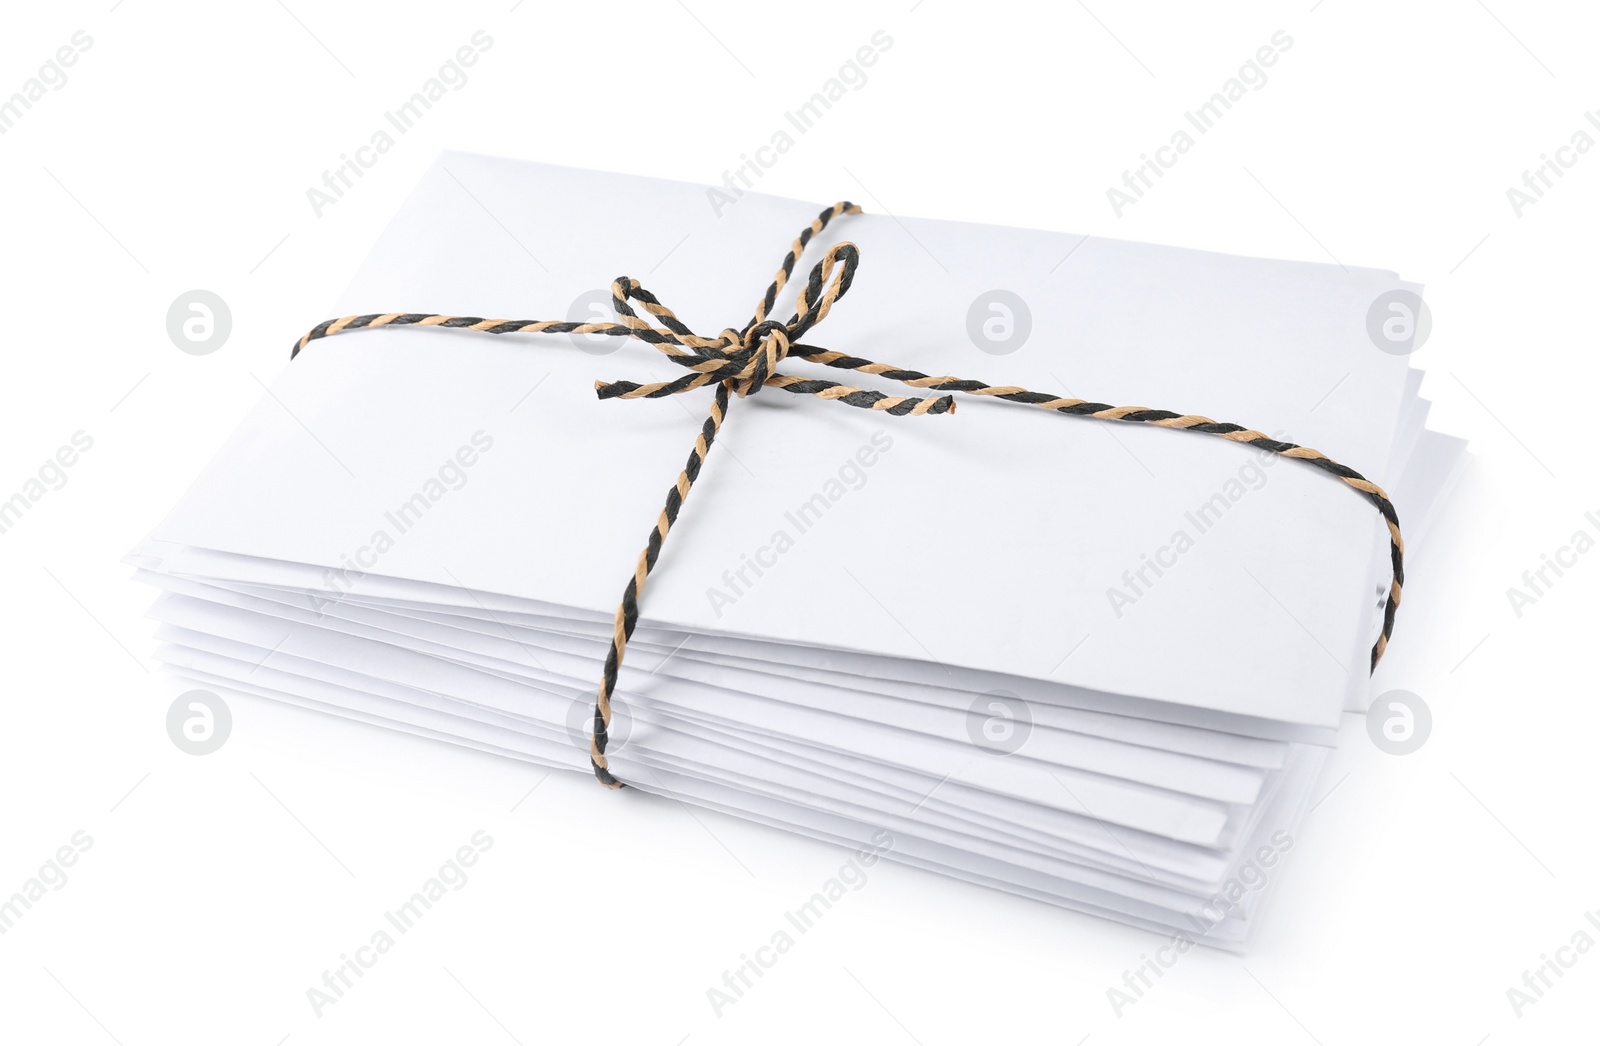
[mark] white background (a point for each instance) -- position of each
(218, 889)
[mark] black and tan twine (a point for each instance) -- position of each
(746, 360)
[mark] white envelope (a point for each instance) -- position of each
(987, 540)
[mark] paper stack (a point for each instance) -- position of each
(1089, 662)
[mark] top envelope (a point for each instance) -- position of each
(1117, 557)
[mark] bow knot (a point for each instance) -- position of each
(746, 360)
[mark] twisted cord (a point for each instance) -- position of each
(746, 360)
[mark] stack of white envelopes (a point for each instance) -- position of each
(1090, 662)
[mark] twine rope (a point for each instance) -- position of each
(746, 360)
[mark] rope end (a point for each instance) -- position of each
(603, 775)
